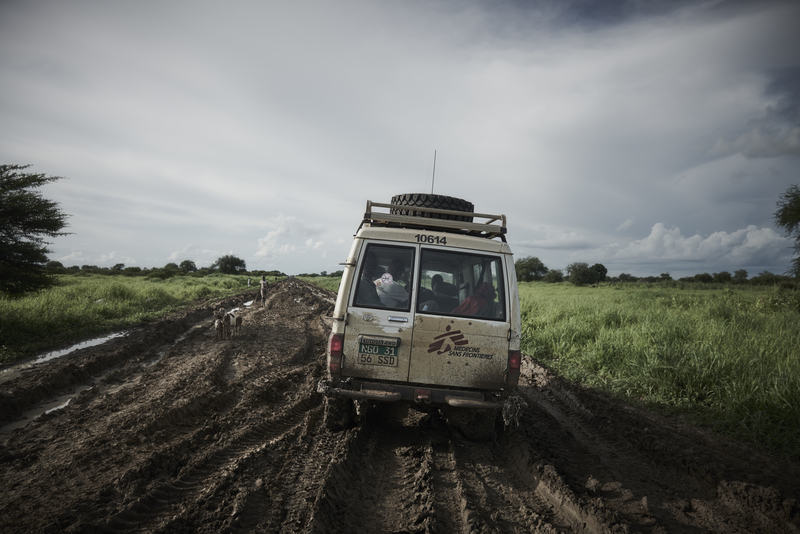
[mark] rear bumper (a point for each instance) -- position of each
(411, 394)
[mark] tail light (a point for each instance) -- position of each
(335, 345)
(514, 364)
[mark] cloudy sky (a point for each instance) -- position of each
(645, 135)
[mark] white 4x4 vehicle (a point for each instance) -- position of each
(427, 314)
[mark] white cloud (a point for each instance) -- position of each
(747, 246)
(287, 230)
(113, 258)
(627, 224)
(76, 256)
(201, 256)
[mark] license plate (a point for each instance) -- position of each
(377, 355)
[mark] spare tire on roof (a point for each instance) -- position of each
(423, 200)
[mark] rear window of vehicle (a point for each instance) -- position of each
(461, 284)
(385, 278)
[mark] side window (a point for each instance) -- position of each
(461, 284)
(384, 279)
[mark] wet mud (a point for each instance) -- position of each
(173, 430)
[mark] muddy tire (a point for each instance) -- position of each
(422, 200)
(340, 414)
(475, 425)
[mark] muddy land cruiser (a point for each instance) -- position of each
(427, 314)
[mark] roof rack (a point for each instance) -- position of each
(416, 218)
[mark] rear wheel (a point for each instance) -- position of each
(442, 202)
(340, 414)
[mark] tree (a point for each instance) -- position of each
(229, 264)
(665, 277)
(740, 276)
(703, 278)
(580, 273)
(54, 267)
(529, 269)
(601, 271)
(788, 218)
(188, 266)
(26, 218)
(553, 276)
(721, 278)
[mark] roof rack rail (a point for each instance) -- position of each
(487, 229)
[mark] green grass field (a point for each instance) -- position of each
(80, 307)
(728, 357)
(327, 282)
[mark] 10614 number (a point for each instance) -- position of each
(433, 239)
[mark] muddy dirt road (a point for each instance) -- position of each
(183, 433)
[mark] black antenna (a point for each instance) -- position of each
(434, 171)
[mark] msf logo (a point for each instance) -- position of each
(442, 342)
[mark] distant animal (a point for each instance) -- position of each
(226, 325)
(237, 325)
(218, 328)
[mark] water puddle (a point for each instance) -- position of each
(53, 405)
(64, 400)
(91, 343)
(10, 372)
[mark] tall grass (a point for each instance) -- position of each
(730, 357)
(84, 306)
(326, 282)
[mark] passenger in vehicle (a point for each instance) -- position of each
(473, 304)
(442, 288)
(366, 292)
(435, 281)
(390, 291)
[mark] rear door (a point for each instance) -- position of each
(378, 335)
(461, 331)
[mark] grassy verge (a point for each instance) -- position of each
(728, 357)
(84, 306)
(326, 282)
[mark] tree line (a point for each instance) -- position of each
(227, 264)
(27, 219)
(531, 269)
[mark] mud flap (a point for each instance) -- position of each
(512, 410)
(340, 414)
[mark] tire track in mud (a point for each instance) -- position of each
(150, 508)
(222, 473)
(380, 467)
(411, 473)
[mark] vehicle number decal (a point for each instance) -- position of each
(432, 239)
(377, 355)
